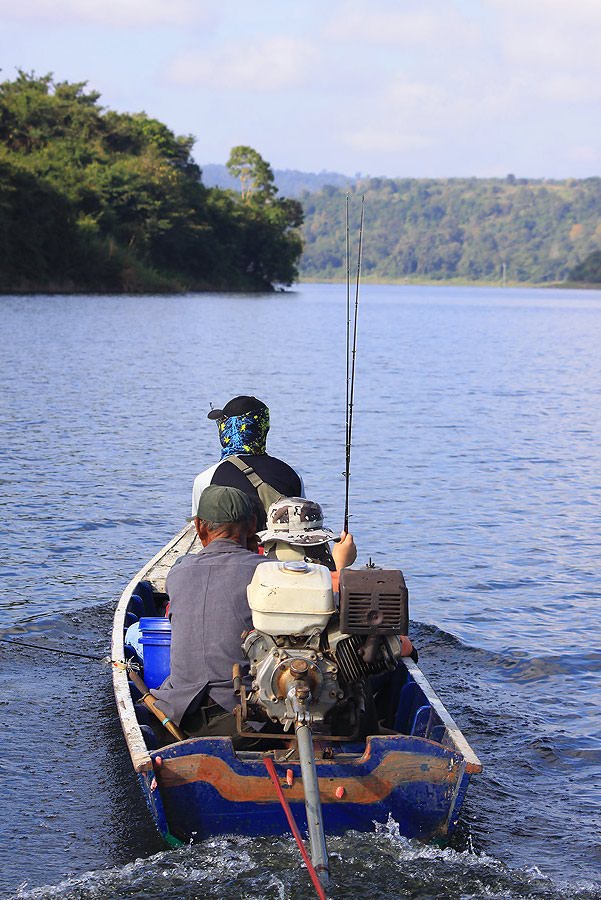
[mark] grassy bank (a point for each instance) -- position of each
(441, 282)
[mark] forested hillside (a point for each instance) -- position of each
(92, 199)
(457, 228)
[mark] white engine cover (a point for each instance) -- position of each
(290, 597)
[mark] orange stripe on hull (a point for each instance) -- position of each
(396, 768)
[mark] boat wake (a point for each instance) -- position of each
(382, 864)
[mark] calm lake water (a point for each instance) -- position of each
(475, 470)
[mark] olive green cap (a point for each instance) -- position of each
(220, 504)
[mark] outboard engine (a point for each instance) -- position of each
(292, 678)
(308, 664)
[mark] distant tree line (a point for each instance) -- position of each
(92, 199)
(471, 229)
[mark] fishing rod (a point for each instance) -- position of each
(348, 338)
(102, 659)
(350, 364)
(130, 667)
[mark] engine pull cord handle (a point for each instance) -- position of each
(294, 829)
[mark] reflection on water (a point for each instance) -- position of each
(475, 469)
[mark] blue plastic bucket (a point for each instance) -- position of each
(155, 636)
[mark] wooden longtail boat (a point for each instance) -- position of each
(202, 787)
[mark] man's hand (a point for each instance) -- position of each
(344, 552)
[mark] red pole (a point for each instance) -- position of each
(294, 828)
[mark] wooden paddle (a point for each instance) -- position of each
(150, 702)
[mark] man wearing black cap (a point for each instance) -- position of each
(209, 611)
(243, 424)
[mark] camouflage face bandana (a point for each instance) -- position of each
(244, 434)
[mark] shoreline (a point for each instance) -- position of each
(457, 282)
(54, 289)
(58, 290)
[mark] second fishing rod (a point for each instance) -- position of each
(351, 350)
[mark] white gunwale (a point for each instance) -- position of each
(473, 764)
(133, 736)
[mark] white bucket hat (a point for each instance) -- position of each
(296, 521)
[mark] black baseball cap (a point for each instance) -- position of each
(237, 406)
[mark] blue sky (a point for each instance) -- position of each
(405, 88)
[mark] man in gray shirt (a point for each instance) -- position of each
(209, 611)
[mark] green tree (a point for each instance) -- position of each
(270, 243)
(256, 175)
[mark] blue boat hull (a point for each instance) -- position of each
(201, 788)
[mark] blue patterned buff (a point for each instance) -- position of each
(244, 434)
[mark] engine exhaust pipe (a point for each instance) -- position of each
(317, 839)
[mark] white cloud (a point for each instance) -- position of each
(392, 139)
(106, 13)
(570, 89)
(464, 85)
(428, 26)
(429, 105)
(549, 38)
(271, 65)
(407, 97)
(543, 46)
(407, 115)
(577, 13)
